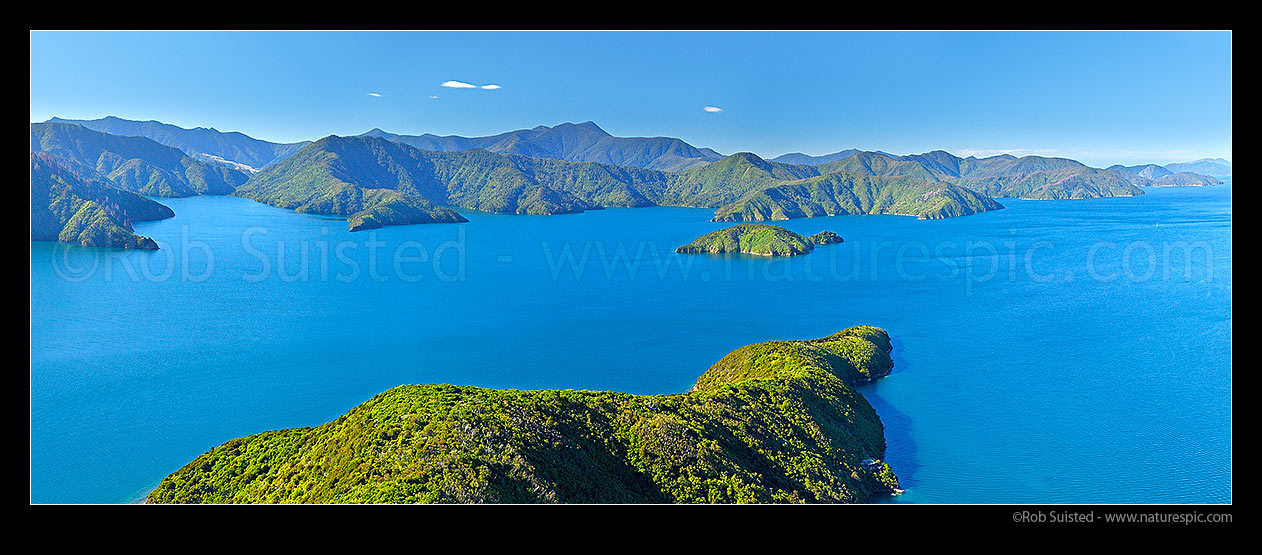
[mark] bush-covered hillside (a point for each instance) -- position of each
(80, 208)
(771, 422)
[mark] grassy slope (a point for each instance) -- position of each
(771, 422)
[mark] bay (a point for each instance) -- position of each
(1051, 352)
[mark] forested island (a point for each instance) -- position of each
(757, 239)
(778, 421)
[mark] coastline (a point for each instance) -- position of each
(771, 422)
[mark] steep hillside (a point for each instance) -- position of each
(136, 164)
(771, 422)
(72, 207)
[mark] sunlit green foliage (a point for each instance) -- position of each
(757, 239)
(825, 238)
(771, 422)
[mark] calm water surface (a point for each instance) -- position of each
(1065, 351)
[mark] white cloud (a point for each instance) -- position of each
(463, 85)
(712, 109)
(378, 95)
(433, 96)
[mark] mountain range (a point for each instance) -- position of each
(1152, 175)
(808, 160)
(1177, 175)
(380, 178)
(574, 142)
(333, 174)
(201, 142)
(135, 164)
(1204, 166)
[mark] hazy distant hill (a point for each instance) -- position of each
(136, 164)
(1204, 166)
(1173, 175)
(1185, 179)
(808, 160)
(843, 193)
(581, 142)
(73, 205)
(1007, 176)
(1147, 171)
(201, 142)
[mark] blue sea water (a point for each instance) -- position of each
(1051, 352)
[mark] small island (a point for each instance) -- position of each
(758, 240)
(826, 238)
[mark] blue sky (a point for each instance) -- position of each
(1102, 98)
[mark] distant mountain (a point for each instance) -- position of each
(332, 175)
(581, 142)
(1185, 179)
(1004, 176)
(84, 209)
(371, 180)
(135, 164)
(808, 160)
(201, 142)
(729, 179)
(1147, 171)
(1204, 166)
(1176, 175)
(843, 193)
(1054, 184)
(339, 175)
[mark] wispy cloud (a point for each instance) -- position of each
(712, 109)
(378, 95)
(463, 85)
(433, 96)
